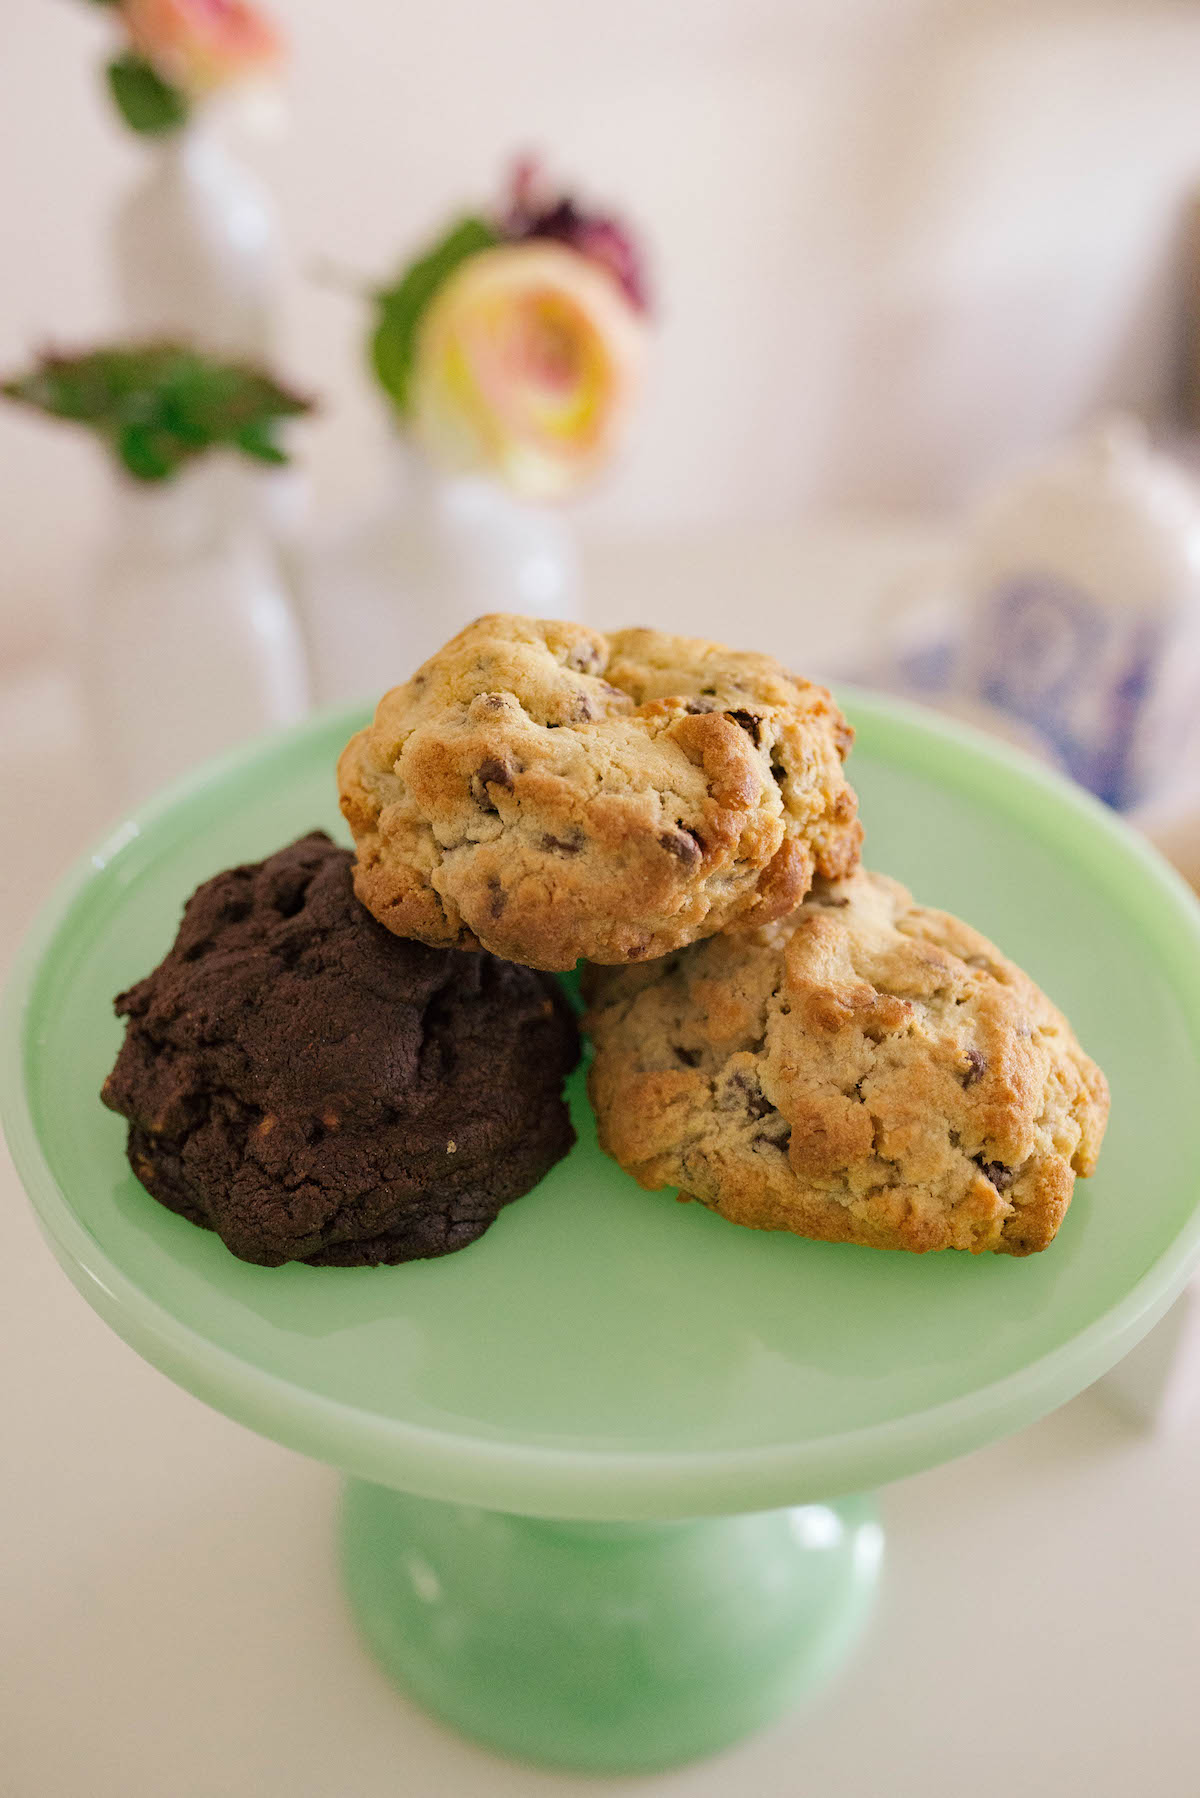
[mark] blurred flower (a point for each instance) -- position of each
(513, 345)
(199, 45)
(536, 211)
(525, 361)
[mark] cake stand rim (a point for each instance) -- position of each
(603, 1484)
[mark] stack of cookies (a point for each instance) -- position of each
(354, 1062)
(778, 1033)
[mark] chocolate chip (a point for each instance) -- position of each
(583, 709)
(1000, 1176)
(497, 897)
(689, 1057)
(755, 1102)
(686, 844)
(751, 723)
(490, 773)
(700, 705)
(584, 658)
(779, 1141)
(564, 845)
(491, 702)
(976, 1067)
(779, 771)
(708, 690)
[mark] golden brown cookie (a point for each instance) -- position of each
(864, 1071)
(550, 793)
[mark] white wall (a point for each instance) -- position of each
(896, 241)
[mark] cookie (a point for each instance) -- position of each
(865, 1071)
(313, 1089)
(551, 793)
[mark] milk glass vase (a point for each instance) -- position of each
(197, 257)
(190, 640)
(438, 550)
(195, 242)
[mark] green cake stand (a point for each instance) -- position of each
(598, 1463)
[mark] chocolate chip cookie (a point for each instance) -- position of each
(551, 793)
(313, 1089)
(864, 1071)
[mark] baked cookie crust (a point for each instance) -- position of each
(551, 793)
(866, 1071)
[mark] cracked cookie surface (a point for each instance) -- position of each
(864, 1071)
(313, 1089)
(552, 794)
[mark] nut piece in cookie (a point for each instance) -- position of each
(864, 1071)
(313, 1089)
(551, 793)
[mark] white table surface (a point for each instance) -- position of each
(172, 1621)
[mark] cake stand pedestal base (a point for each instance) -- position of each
(607, 1648)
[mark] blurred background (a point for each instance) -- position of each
(897, 244)
(902, 252)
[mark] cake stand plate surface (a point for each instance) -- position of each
(604, 1355)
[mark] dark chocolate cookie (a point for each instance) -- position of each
(314, 1088)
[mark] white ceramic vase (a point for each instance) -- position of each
(436, 552)
(197, 256)
(196, 244)
(190, 641)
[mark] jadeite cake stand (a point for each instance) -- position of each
(595, 1512)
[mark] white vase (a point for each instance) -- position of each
(190, 642)
(437, 552)
(196, 245)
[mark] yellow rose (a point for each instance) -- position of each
(199, 45)
(525, 364)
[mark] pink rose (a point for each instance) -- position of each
(199, 45)
(526, 361)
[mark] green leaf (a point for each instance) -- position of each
(400, 308)
(158, 405)
(257, 440)
(145, 101)
(146, 453)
